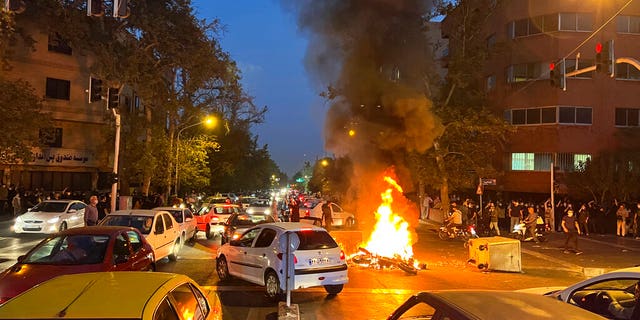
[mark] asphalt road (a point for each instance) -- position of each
(374, 293)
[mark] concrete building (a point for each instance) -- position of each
(78, 153)
(594, 111)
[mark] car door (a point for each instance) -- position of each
(122, 256)
(159, 238)
(172, 230)
(238, 263)
(338, 215)
(258, 255)
(75, 214)
(190, 224)
(140, 257)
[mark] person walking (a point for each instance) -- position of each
(572, 230)
(621, 225)
(327, 219)
(16, 203)
(294, 208)
(583, 219)
(91, 212)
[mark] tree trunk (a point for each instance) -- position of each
(146, 180)
(444, 187)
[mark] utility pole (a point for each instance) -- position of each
(114, 182)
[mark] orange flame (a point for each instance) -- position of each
(391, 236)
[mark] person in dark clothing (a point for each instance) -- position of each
(572, 230)
(531, 222)
(327, 220)
(294, 208)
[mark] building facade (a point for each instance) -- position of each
(560, 124)
(77, 154)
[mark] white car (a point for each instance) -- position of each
(594, 293)
(184, 217)
(51, 216)
(256, 257)
(159, 228)
(312, 209)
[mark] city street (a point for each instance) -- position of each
(373, 294)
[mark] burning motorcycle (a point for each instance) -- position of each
(464, 234)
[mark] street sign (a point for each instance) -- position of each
(488, 182)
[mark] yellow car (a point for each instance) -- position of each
(114, 295)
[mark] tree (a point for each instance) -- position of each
(331, 177)
(473, 131)
(22, 120)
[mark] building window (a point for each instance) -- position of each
(550, 22)
(58, 89)
(534, 25)
(51, 137)
(491, 41)
(571, 21)
(627, 117)
(625, 71)
(628, 24)
(525, 72)
(57, 44)
(549, 115)
(522, 161)
(491, 82)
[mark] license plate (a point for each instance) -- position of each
(317, 261)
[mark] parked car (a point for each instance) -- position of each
(259, 206)
(51, 216)
(238, 223)
(487, 305)
(114, 295)
(77, 250)
(312, 210)
(593, 294)
(159, 228)
(256, 257)
(188, 224)
(212, 216)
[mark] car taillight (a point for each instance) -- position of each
(307, 213)
(342, 256)
(295, 259)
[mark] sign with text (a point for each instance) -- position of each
(63, 157)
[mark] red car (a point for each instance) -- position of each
(212, 216)
(78, 250)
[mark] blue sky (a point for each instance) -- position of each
(264, 41)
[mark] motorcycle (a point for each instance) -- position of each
(520, 232)
(464, 234)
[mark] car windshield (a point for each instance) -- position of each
(69, 250)
(50, 207)
(315, 239)
(142, 223)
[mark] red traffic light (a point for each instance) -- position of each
(552, 66)
(598, 47)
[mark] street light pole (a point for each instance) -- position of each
(114, 185)
(208, 120)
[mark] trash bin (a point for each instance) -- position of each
(496, 253)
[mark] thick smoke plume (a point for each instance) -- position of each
(374, 58)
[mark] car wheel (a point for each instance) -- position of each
(272, 286)
(443, 234)
(63, 226)
(208, 232)
(333, 288)
(173, 256)
(222, 268)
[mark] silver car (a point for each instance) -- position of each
(51, 216)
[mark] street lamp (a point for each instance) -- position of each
(209, 121)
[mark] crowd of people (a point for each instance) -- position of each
(498, 217)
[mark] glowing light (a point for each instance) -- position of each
(352, 133)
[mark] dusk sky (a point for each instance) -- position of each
(265, 42)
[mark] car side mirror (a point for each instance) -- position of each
(21, 258)
(187, 219)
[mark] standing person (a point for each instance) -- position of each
(514, 213)
(103, 207)
(531, 222)
(4, 196)
(583, 219)
(16, 203)
(621, 225)
(91, 212)
(636, 223)
(294, 209)
(572, 230)
(426, 205)
(493, 216)
(327, 220)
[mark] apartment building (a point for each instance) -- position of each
(77, 153)
(589, 112)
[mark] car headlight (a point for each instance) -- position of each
(268, 211)
(250, 211)
(19, 219)
(53, 220)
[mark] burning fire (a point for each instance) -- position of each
(391, 237)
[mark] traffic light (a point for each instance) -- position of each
(555, 78)
(113, 98)
(95, 8)
(95, 90)
(120, 8)
(604, 57)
